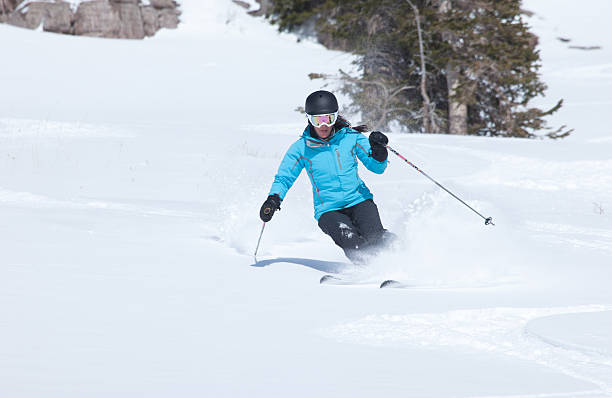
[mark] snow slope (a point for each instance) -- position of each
(131, 175)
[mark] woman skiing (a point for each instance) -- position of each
(328, 150)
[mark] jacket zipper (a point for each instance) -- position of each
(338, 169)
(316, 187)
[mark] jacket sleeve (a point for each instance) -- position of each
(288, 171)
(364, 152)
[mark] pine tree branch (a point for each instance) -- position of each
(399, 90)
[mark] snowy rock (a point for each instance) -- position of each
(126, 19)
(150, 22)
(5, 10)
(58, 18)
(160, 4)
(14, 18)
(168, 18)
(55, 17)
(131, 26)
(97, 18)
(265, 6)
(7, 7)
(242, 4)
(35, 15)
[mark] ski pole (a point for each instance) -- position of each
(488, 220)
(258, 241)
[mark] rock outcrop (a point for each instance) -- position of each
(124, 19)
(7, 7)
(265, 8)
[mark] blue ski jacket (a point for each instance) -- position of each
(332, 169)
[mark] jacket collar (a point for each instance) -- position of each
(319, 142)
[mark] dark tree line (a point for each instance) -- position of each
(473, 71)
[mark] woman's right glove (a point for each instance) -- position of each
(378, 142)
(269, 207)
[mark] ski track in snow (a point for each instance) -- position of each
(31, 200)
(590, 72)
(590, 238)
(497, 330)
(590, 393)
(38, 129)
(516, 171)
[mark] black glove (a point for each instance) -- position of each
(269, 207)
(378, 142)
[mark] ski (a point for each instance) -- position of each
(329, 279)
(392, 283)
(337, 280)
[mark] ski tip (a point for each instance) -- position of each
(326, 278)
(389, 283)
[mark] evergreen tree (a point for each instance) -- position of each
(481, 62)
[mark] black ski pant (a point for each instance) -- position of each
(356, 229)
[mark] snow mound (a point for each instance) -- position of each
(507, 331)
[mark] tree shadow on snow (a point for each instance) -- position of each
(332, 267)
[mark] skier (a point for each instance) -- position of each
(328, 149)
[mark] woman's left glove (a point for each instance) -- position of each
(378, 142)
(269, 207)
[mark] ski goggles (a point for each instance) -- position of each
(327, 119)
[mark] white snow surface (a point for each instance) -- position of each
(131, 176)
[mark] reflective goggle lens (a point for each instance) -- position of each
(319, 120)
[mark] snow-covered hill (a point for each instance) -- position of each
(131, 175)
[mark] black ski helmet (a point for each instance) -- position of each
(321, 102)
